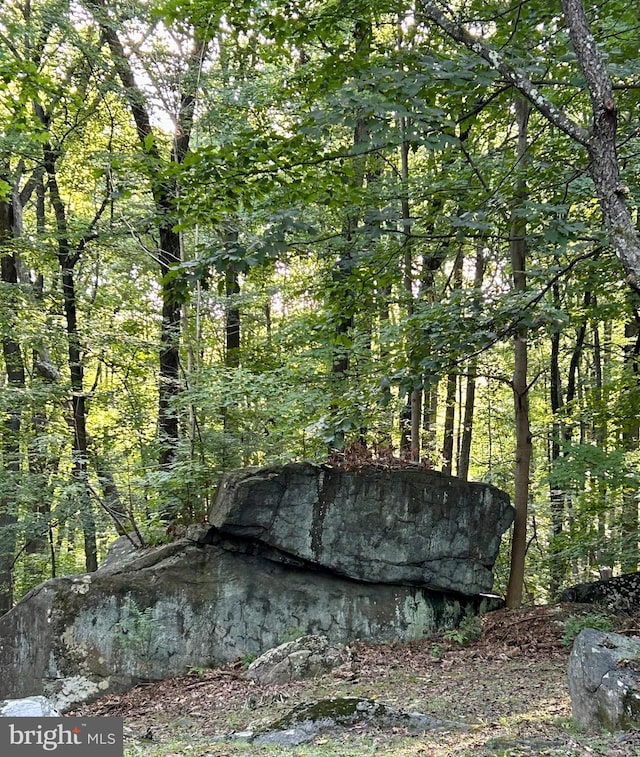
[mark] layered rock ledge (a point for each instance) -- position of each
(296, 549)
(391, 526)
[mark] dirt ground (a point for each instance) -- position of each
(503, 694)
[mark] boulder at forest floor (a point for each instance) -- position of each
(604, 680)
(198, 602)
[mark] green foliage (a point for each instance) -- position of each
(301, 116)
(576, 623)
(247, 659)
(469, 629)
(436, 651)
(291, 634)
(137, 629)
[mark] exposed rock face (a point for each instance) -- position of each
(604, 680)
(149, 614)
(409, 527)
(619, 594)
(306, 657)
(182, 606)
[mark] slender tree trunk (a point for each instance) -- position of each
(411, 415)
(430, 416)
(629, 521)
(164, 192)
(67, 260)
(345, 308)
(601, 557)
(557, 564)
(470, 389)
(518, 252)
(449, 422)
(561, 502)
(11, 423)
(448, 444)
(232, 320)
(41, 464)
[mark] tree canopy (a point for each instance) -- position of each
(239, 233)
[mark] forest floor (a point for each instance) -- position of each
(505, 694)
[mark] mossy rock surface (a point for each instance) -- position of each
(311, 719)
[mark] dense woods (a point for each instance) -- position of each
(236, 233)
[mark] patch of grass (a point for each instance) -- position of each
(291, 634)
(499, 700)
(247, 659)
(436, 651)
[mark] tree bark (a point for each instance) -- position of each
(345, 308)
(561, 502)
(449, 422)
(448, 444)
(470, 389)
(164, 193)
(67, 260)
(629, 521)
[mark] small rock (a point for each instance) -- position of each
(28, 707)
(307, 657)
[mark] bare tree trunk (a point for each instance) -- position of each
(561, 503)
(231, 347)
(411, 414)
(629, 521)
(232, 325)
(164, 192)
(345, 320)
(452, 388)
(557, 495)
(449, 422)
(520, 384)
(470, 389)
(67, 260)
(11, 425)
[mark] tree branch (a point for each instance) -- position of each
(513, 75)
(600, 141)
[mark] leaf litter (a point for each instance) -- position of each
(508, 686)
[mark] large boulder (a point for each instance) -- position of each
(604, 680)
(159, 612)
(398, 526)
(296, 549)
(618, 594)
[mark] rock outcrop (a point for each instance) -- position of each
(226, 593)
(617, 594)
(604, 680)
(310, 720)
(400, 526)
